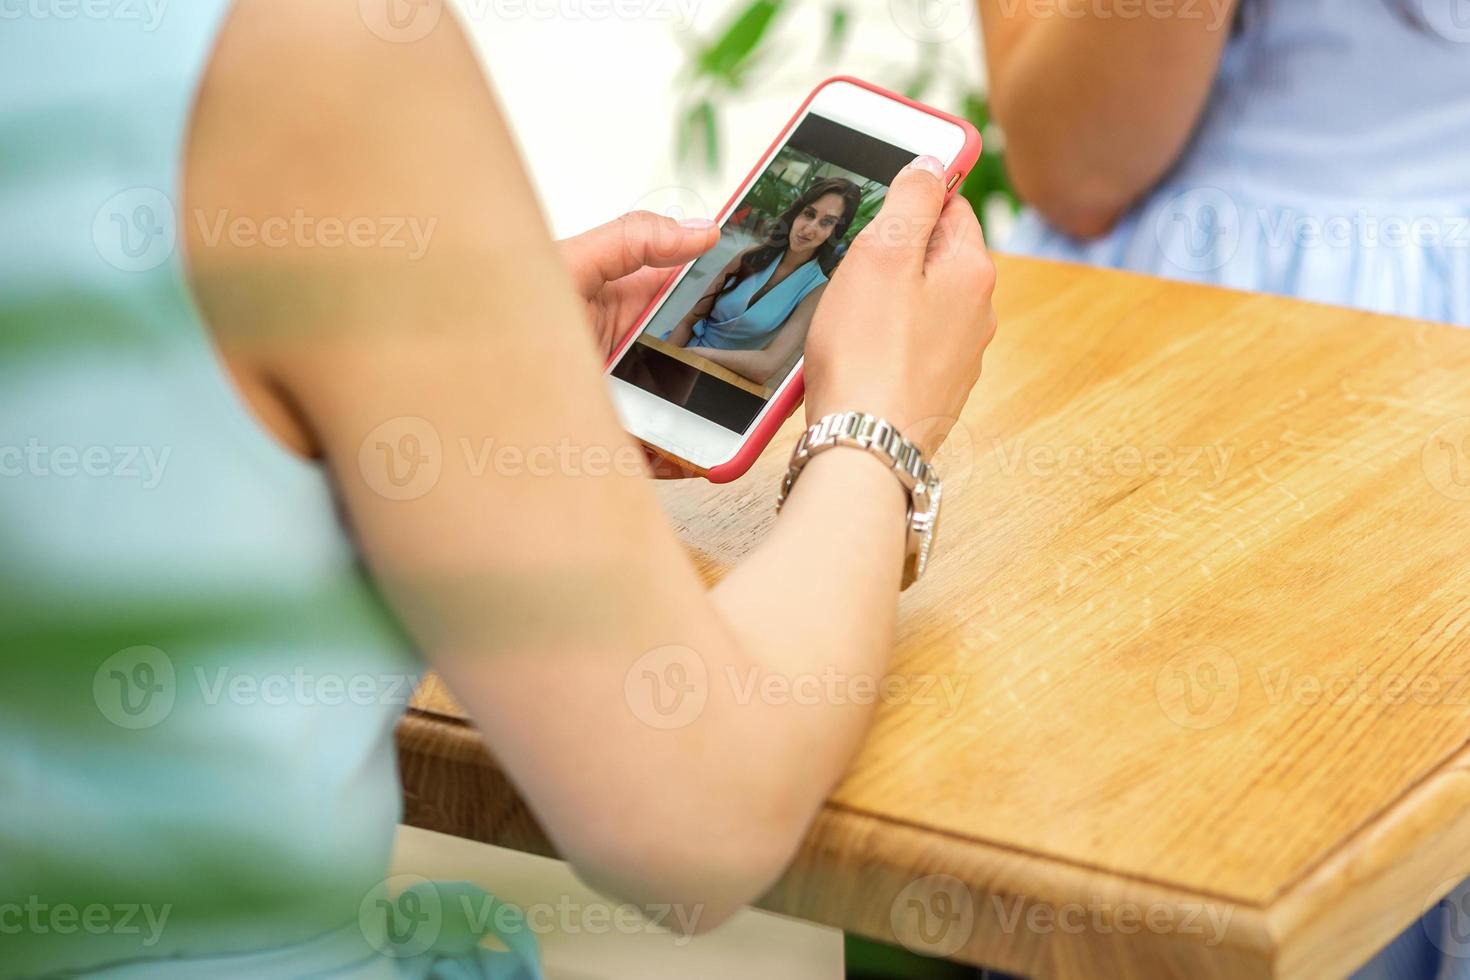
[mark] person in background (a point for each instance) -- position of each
(1310, 148)
(289, 254)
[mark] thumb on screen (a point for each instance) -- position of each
(912, 206)
(635, 241)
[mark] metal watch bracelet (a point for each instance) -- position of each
(860, 430)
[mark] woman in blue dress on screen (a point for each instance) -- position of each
(753, 320)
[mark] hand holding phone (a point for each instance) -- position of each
(619, 267)
(903, 327)
(716, 365)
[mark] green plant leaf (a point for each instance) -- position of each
(706, 110)
(699, 132)
(838, 21)
(722, 58)
(977, 109)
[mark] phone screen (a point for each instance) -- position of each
(734, 328)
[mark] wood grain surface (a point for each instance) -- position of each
(1186, 690)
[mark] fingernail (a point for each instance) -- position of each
(697, 224)
(930, 165)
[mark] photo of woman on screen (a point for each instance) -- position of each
(754, 317)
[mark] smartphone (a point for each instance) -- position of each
(714, 366)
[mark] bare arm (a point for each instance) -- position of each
(759, 365)
(1096, 108)
(546, 594)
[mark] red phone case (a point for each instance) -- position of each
(786, 402)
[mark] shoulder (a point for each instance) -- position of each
(814, 290)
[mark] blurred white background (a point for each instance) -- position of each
(591, 88)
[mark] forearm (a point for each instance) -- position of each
(683, 332)
(705, 727)
(819, 596)
(1097, 104)
(806, 623)
(756, 365)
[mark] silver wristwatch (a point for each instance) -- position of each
(863, 431)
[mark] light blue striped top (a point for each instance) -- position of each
(200, 684)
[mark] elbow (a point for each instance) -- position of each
(1082, 205)
(692, 873)
(688, 882)
(1082, 220)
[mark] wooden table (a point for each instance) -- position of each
(706, 365)
(1204, 592)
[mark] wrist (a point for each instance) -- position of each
(860, 476)
(902, 461)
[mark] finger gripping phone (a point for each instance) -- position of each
(714, 365)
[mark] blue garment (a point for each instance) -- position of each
(734, 324)
(1437, 947)
(1330, 165)
(200, 684)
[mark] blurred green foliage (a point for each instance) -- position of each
(719, 69)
